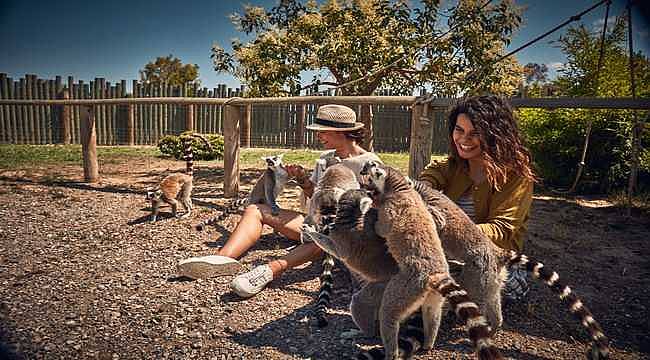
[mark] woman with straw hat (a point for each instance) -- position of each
(340, 133)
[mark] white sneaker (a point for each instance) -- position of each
(252, 282)
(204, 267)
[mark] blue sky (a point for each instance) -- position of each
(114, 39)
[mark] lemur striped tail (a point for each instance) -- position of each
(326, 280)
(410, 340)
(466, 310)
(188, 154)
(232, 208)
(324, 292)
(469, 314)
(600, 348)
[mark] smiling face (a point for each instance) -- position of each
(466, 138)
(331, 139)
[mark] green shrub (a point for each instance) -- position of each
(171, 145)
(556, 139)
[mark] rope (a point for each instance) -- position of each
(478, 72)
(601, 56)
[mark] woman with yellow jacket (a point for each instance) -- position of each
(488, 174)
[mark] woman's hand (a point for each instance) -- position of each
(298, 173)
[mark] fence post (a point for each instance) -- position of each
(246, 126)
(65, 118)
(231, 135)
(89, 144)
(420, 147)
(130, 124)
(189, 118)
(300, 126)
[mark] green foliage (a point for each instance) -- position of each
(171, 71)
(556, 138)
(171, 145)
(535, 73)
(396, 44)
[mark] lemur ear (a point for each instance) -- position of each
(365, 204)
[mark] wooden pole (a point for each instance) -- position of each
(65, 118)
(189, 117)
(13, 111)
(231, 151)
(24, 120)
(420, 147)
(636, 125)
(89, 144)
(365, 116)
(33, 127)
(130, 123)
(300, 126)
(4, 121)
(246, 126)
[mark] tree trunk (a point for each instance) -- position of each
(365, 116)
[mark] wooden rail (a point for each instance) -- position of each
(238, 111)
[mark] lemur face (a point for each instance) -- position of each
(376, 176)
(273, 162)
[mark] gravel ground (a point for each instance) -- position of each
(83, 275)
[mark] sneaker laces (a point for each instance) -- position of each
(257, 276)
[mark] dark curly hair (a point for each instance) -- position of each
(501, 143)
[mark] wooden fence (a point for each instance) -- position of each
(54, 124)
(237, 119)
(277, 125)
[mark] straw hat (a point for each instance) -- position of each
(335, 118)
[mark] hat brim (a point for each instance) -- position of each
(318, 127)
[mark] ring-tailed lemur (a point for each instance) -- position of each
(485, 265)
(354, 241)
(336, 179)
(265, 191)
(423, 278)
(173, 185)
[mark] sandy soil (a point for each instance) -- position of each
(83, 275)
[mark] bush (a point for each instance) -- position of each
(171, 145)
(556, 139)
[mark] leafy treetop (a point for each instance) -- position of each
(375, 44)
(169, 70)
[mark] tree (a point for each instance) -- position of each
(535, 73)
(556, 137)
(169, 70)
(366, 45)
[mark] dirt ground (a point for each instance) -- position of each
(83, 275)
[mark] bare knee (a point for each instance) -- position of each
(253, 211)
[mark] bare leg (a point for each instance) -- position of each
(249, 230)
(298, 256)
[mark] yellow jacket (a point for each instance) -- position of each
(501, 215)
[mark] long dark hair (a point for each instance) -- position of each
(501, 143)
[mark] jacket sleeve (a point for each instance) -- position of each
(437, 174)
(508, 212)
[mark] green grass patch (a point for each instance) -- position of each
(22, 156)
